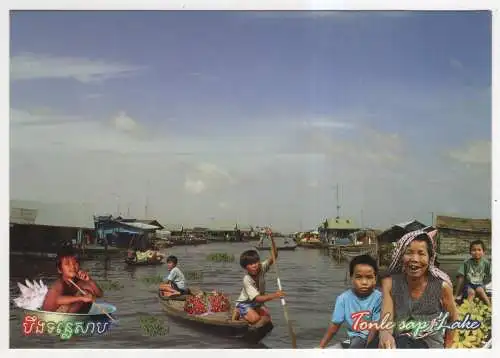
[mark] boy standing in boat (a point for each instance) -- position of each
(63, 295)
(362, 297)
(175, 281)
(250, 303)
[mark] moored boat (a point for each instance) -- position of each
(279, 248)
(143, 263)
(220, 323)
(311, 244)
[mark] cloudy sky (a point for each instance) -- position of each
(253, 116)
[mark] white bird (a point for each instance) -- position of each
(32, 295)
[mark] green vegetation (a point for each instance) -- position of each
(193, 275)
(221, 257)
(152, 326)
(152, 280)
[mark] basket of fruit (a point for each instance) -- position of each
(477, 338)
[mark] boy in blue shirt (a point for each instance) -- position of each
(361, 303)
(175, 281)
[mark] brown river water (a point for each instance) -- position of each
(310, 278)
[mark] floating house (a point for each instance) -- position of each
(455, 234)
(37, 227)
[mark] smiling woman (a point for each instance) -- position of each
(416, 291)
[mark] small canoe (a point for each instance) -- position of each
(66, 325)
(279, 248)
(220, 323)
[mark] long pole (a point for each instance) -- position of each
(283, 302)
(98, 306)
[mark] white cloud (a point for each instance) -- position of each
(194, 186)
(210, 170)
(478, 152)
(30, 66)
(40, 117)
(124, 123)
(282, 178)
(325, 123)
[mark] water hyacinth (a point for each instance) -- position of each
(32, 295)
(221, 257)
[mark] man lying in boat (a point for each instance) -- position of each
(63, 295)
(250, 303)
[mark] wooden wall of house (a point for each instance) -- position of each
(39, 238)
(451, 242)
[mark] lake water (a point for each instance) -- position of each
(310, 278)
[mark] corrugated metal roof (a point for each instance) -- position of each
(140, 225)
(66, 215)
(340, 224)
(222, 226)
(172, 227)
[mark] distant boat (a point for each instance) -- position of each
(279, 248)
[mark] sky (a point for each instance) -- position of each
(253, 117)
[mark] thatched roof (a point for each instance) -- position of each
(463, 224)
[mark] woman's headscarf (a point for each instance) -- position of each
(396, 265)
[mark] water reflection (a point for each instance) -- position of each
(311, 280)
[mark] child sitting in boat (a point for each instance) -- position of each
(250, 303)
(175, 281)
(63, 295)
(362, 296)
(474, 274)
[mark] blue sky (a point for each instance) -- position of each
(228, 110)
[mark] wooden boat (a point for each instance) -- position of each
(66, 325)
(311, 245)
(143, 263)
(220, 323)
(279, 248)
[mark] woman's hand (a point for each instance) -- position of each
(386, 340)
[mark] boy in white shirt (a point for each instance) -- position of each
(250, 303)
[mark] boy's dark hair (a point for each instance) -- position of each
(172, 259)
(363, 260)
(249, 257)
(476, 242)
(64, 251)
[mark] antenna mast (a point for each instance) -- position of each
(338, 205)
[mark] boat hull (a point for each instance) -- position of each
(311, 245)
(143, 263)
(217, 323)
(279, 248)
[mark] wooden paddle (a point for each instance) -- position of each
(98, 306)
(283, 302)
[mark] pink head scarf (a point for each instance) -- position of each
(396, 265)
